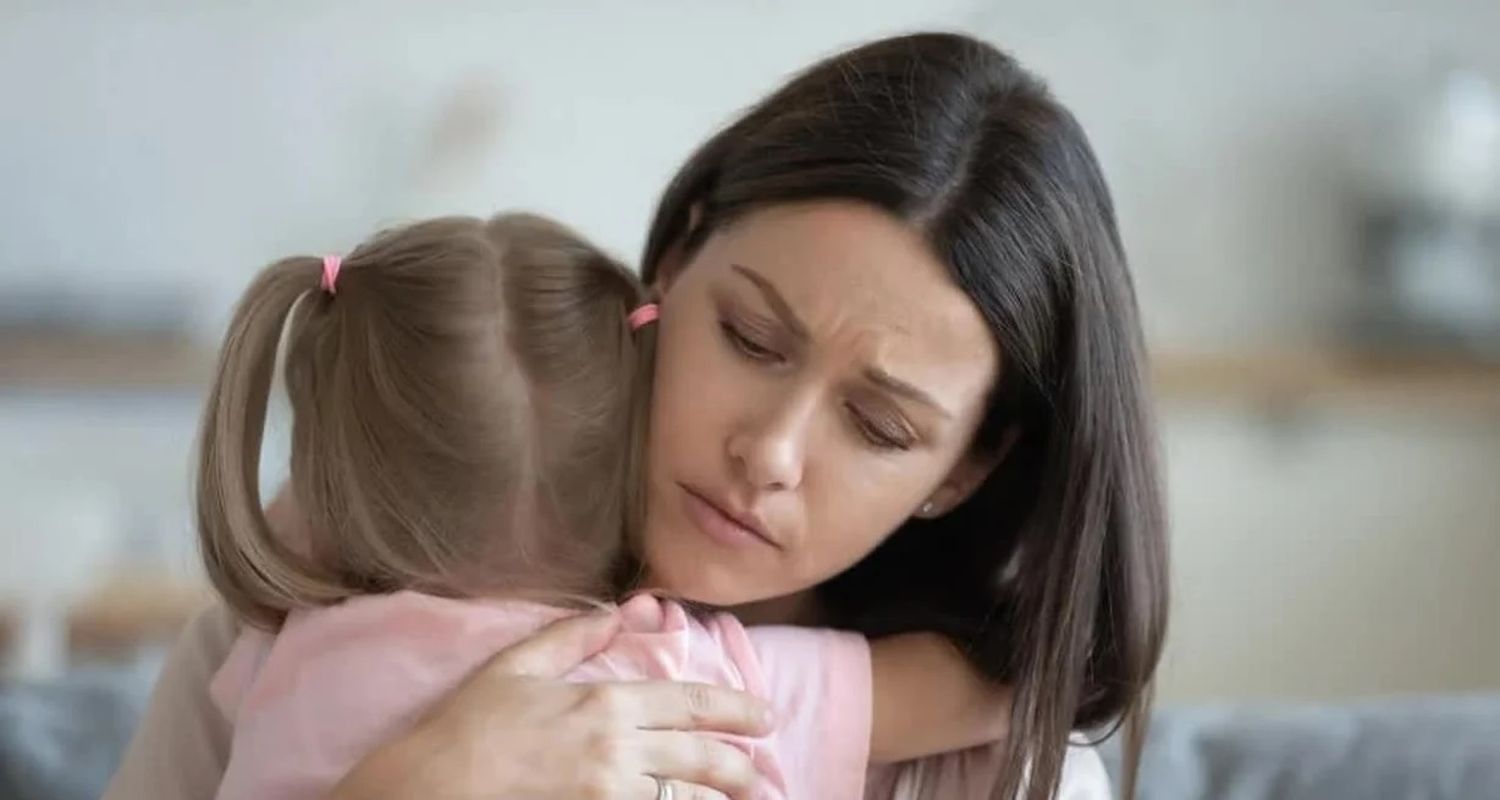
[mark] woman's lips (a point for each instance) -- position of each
(720, 525)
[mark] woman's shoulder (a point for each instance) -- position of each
(1083, 775)
(181, 726)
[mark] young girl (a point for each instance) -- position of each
(469, 401)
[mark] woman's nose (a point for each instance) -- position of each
(769, 450)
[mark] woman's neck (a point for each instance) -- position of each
(793, 609)
(798, 608)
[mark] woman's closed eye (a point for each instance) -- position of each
(748, 344)
(881, 430)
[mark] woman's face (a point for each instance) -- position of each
(819, 380)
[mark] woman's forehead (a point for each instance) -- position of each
(859, 280)
(838, 255)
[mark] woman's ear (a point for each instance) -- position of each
(674, 259)
(966, 477)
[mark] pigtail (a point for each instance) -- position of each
(457, 420)
(260, 575)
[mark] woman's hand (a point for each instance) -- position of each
(515, 729)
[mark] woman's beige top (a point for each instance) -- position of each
(182, 745)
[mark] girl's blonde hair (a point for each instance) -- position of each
(468, 410)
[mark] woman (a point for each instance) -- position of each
(897, 328)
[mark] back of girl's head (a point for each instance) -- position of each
(1053, 577)
(458, 400)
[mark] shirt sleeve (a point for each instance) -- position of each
(1084, 776)
(181, 746)
(973, 774)
(819, 687)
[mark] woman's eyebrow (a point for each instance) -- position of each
(774, 299)
(895, 385)
(874, 375)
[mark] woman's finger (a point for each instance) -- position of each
(678, 790)
(670, 705)
(699, 760)
(558, 648)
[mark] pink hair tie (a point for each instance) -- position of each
(643, 316)
(331, 266)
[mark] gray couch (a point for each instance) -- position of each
(1421, 748)
(61, 740)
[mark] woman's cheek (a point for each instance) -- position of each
(864, 498)
(844, 525)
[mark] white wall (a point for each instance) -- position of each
(193, 142)
(147, 146)
(1332, 555)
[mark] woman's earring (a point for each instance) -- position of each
(926, 509)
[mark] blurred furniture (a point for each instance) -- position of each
(71, 532)
(134, 607)
(68, 596)
(61, 739)
(1333, 376)
(1434, 748)
(1429, 214)
(84, 360)
(119, 615)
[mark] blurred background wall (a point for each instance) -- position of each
(1335, 499)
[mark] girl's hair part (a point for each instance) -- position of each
(457, 408)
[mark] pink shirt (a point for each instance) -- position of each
(334, 683)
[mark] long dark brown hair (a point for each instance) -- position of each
(1053, 577)
(468, 410)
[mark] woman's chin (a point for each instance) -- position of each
(707, 589)
(712, 584)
